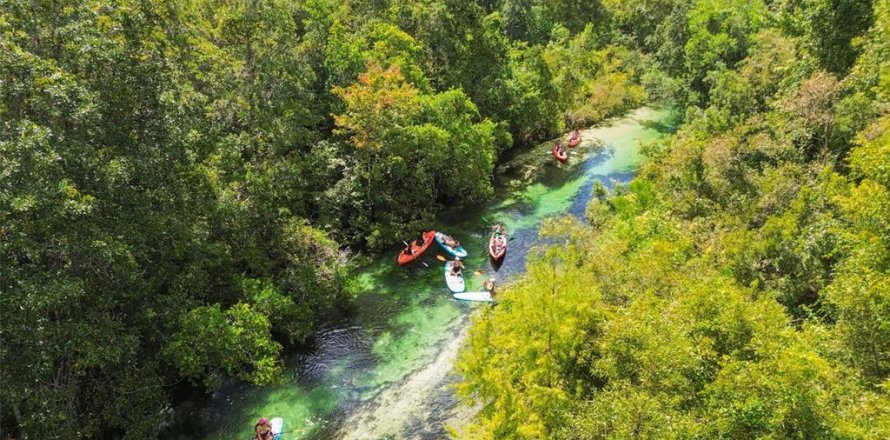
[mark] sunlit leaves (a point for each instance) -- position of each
(213, 341)
(416, 152)
(378, 105)
(741, 282)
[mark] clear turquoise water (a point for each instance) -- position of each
(382, 368)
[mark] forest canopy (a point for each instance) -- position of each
(183, 185)
(739, 287)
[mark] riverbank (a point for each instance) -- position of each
(383, 366)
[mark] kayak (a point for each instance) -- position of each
(459, 252)
(416, 251)
(482, 295)
(277, 428)
(573, 142)
(497, 252)
(560, 157)
(455, 282)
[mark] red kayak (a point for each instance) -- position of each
(416, 251)
(497, 246)
(573, 142)
(560, 157)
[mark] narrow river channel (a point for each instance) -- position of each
(383, 368)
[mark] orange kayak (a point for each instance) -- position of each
(573, 142)
(416, 251)
(560, 157)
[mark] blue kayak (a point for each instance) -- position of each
(459, 252)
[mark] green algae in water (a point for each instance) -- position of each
(406, 315)
(406, 349)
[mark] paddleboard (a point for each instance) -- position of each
(483, 295)
(455, 282)
(277, 427)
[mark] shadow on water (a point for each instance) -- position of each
(658, 126)
(381, 367)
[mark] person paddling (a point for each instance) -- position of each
(576, 134)
(263, 430)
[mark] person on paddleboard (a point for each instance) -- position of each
(263, 430)
(456, 266)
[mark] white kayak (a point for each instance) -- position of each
(277, 427)
(455, 282)
(483, 295)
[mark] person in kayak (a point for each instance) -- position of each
(450, 242)
(576, 134)
(560, 150)
(419, 241)
(499, 232)
(456, 266)
(263, 430)
(498, 243)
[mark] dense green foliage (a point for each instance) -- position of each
(740, 286)
(180, 181)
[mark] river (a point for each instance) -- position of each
(383, 368)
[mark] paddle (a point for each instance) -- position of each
(441, 258)
(415, 256)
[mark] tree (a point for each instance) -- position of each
(410, 147)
